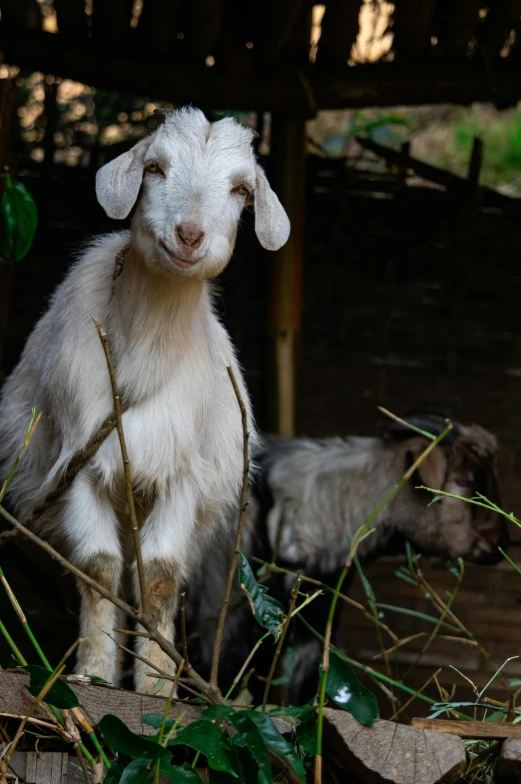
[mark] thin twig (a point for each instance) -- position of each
(293, 599)
(104, 338)
(411, 699)
(240, 525)
(166, 712)
(184, 646)
(32, 427)
(75, 465)
(83, 765)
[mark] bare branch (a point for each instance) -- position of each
(240, 525)
(126, 465)
(280, 642)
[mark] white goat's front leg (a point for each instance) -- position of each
(165, 540)
(92, 531)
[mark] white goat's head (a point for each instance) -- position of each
(196, 177)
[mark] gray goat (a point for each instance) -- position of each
(310, 496)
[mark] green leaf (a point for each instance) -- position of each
(113, 774)
(119, 738)
(306, 734)
(346, 690)
(19, 220)
(272, 738)
(210, 740)
(215, 712)
(252, 741)
(155, 720)
(138, 772)
(268, 612)
(158, 685)
(184, 774)
(298, 712)
(60, 695)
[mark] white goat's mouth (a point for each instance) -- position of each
(183, 263)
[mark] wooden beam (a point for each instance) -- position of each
(475, 730)
(288, 156)
(279, 89)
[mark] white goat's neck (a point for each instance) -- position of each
(154, 321)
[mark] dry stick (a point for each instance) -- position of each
(184, 645)
(444, 612)
(280, 642)
(240, 525)
(420, 690)
(32, 427)
(83, 765)
(78, 462)
(126, 465)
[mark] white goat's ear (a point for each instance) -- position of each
(271, 222)
(118, 182)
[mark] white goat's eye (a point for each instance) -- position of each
(242, 190)
(153, 168)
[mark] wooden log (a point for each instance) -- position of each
(412, 28)
(390, 752)
(158, 26)
(475, 730)
(281, 24)
(278, 89)
(339, 32)
(96, 700)
(288, 154)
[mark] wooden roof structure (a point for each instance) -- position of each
(257, 55)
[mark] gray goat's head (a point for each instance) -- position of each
(464, 465)
(195, 178)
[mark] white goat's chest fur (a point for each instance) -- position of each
(170, 351)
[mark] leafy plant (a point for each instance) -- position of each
(19, 219)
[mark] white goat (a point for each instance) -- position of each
(182, 424)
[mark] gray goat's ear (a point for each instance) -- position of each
(118, 182)
(271, 222)
(433, 468)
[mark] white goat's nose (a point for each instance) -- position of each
(189, 234)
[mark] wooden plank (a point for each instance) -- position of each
(288, 153)
(475, 730)
(279, 89)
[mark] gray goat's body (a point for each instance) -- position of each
(311, 496)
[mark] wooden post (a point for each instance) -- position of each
(288, 153)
